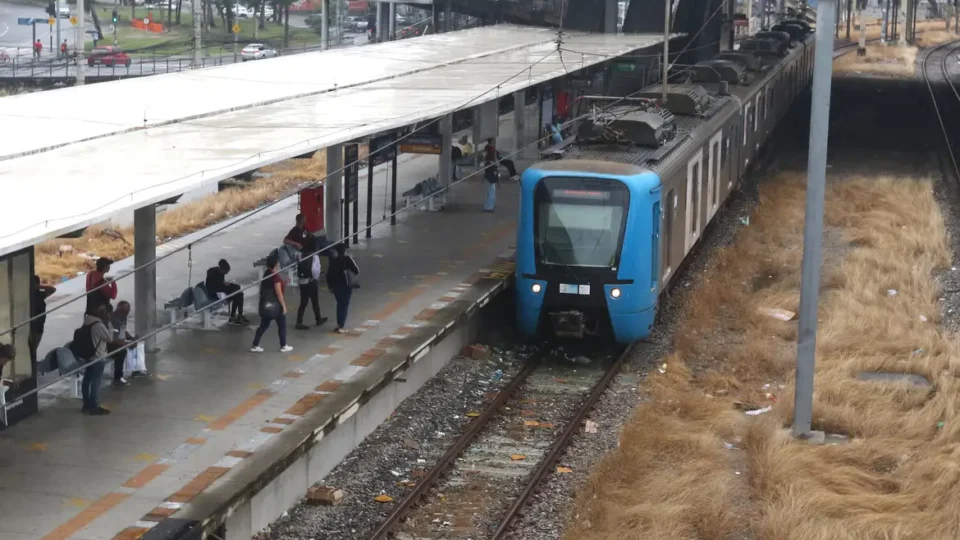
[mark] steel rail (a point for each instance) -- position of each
(450, 457)
(569, 429)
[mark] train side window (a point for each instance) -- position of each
(767, 102)
(668, 229)
(695, 207)
(757, 109)
(715, 150)
(655, 245)
(746, 122)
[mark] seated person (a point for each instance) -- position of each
(217, 283)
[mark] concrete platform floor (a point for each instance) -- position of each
(66, 475)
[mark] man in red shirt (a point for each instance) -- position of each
(37, 49)
(105, 294)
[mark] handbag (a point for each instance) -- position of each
(351, 277)
(269, 303)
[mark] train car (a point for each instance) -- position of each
(604, 228)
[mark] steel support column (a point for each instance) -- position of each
(446, 146)
(145, 278)
(333, 194)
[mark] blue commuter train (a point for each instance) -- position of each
(604, 229)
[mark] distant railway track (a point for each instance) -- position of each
(934, 67)
(493, 423)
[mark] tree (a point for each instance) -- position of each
(179, 8)
(261, 24)
(88, 7)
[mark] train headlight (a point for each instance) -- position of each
(614, 293)
(536, 288)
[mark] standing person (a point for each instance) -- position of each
(63, 49)
(298, 234)
(494, 155)
(90, 342)
(37, 49)
(465, 147)
(38, 310)
(217, 282)
(341, 279)
(308, 272)
(273, 307)
(492, 175)
(95, 279)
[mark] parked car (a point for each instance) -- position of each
(108, 56)
(357, 23)
(241, 12)
(257, 51)
(64, 12)
(268, 11)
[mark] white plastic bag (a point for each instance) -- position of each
(136, 359)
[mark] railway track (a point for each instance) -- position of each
(495, 466)
(936, 76)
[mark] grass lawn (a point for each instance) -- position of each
(179, 39)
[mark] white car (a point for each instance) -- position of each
(64, 12)
(268, 11)
(257, 51)
(241, 12)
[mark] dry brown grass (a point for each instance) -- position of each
(932, 38)
(285, 178)
(888, 60)
(672, 477)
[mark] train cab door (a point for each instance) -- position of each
(692, 209)
(713, 175)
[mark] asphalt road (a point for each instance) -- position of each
(14, 36)
(26, 68)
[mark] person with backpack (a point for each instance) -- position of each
(90, 343)
(308, 274)
(342, 280)
(273, 307)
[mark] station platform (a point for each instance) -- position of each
(214, 419)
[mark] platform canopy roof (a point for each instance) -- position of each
(73, 157)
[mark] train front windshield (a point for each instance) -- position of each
(579, 222)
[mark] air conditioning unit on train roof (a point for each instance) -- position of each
(644, 125)
(715, 71)
(781, 36)
(795, 30)
(764, 46)
(686, 99)
(744, 58)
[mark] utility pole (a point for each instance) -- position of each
(197, 30)
(862, 46)
(392, 25)
(58, 23)
(884, 35)
(324, 25)
(666, 51)
(813, 220)
(904, 22)
(849, 17)
(80, 35)
(749, 13)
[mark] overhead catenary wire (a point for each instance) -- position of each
(226, 299)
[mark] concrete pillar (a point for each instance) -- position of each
(519, 124)
(145, 279)
(610, 11)
(393, 21)
(333, 193)
(447, 17)
(446, 145)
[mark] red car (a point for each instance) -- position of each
(108, 56)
